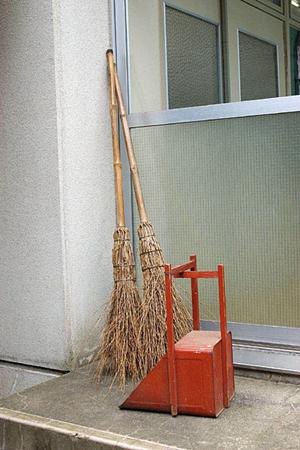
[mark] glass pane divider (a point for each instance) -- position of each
(249, 108)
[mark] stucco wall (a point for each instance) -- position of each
(32, 321)
(57, 211)
(82, 36)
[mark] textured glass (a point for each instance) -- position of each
(192, 60)
(258, 68)
(228, 190)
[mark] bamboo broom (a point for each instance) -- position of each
(152, 334)
(118, 352)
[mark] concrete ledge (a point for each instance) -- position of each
(18, 377)
(19, 431)
(73, 413)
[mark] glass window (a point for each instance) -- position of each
(186, 53)
(192, 60)
(237, 202)
(258, 61)
(295, 9)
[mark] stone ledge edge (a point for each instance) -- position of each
(80, 432)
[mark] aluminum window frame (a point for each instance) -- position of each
(276, 105)
(273, 6)
(275, 11)
(262, 347)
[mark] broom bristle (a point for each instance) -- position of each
(118, 354)
(152, 335)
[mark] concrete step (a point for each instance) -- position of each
(73, 413)
(27, 432)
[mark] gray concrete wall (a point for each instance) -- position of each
(57, 211)
(82, 36)
(32, 319)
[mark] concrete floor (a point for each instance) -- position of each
(71, 412)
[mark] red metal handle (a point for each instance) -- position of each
(223, 326)
(195, 296)
(183, 267)
(170, 342)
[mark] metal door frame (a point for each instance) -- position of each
(261, 347)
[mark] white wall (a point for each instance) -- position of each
(56, 200)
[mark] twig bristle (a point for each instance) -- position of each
(119, 347)
(152, 333)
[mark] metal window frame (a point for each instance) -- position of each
(273, 6)
(277, 105)
(263, 347)
(264, 5)
(287, 337)
(260, 347)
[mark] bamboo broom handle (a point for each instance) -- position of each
(130, 154)
(115, 141)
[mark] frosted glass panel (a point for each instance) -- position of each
(228, 190)
(192, 60)
(258, 61)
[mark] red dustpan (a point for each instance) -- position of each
(196, 375)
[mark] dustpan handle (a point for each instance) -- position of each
(171, 342)
(223, 327)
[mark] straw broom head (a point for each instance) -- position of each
(118, 354)
(152, 333)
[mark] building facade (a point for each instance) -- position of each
(210, 87)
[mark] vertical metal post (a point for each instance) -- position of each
(287, 49)
(195, 296)
(170, 342)
(224, 47)
(223, 326)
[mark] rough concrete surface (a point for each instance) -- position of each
(263, 415)
(16, 377)
(57, 194)
(32, 319)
